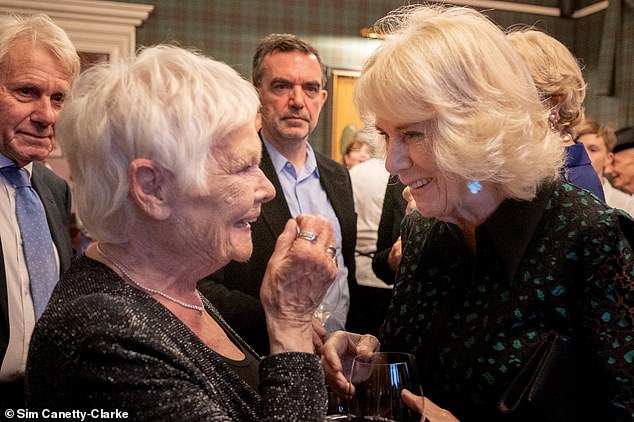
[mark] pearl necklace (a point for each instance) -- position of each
(149, 289)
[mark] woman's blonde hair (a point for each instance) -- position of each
(455, 71)
(556, 74)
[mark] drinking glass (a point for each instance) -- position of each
(378, 382)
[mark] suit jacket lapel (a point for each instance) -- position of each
(54, 217)
(333, 183)
(275, 213)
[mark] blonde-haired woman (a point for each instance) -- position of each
(559, 80)
(500, 255)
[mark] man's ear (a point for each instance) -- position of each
(324, 96)
(148, 187)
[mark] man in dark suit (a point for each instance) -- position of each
(37, 64)
(388, 244)
(290, 78)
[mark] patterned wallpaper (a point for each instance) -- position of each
(229, 30)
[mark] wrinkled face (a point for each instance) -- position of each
(409, 155)
(33, 85)
(357, 155)
(597, 151)
(219, 221)
(291, 95)
(622, 170)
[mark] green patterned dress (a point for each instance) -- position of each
(561, 263)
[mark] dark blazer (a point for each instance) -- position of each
(56, 198)
(245, 314)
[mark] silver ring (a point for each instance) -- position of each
(332, 251)
(310, 236)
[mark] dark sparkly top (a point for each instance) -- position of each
(103, 344)
(560, 263)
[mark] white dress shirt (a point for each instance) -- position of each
(21, 311)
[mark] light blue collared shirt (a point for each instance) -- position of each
(305, 195)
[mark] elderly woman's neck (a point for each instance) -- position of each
(151, 266)
(474, 211)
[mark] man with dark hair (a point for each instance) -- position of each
(37, 65)
(290, 78)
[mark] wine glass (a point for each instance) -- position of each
(378, 382)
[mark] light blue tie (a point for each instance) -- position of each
(36, 238)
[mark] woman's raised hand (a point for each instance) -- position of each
(297, 277)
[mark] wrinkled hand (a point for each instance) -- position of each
(395, 255)
(338, 353)
(426, 408)
(319, 336)
(295, 282)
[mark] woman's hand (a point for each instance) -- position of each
(338, 353)
(319, 336)
(411, 202)
(429, 411)
(395, 255)
(296, 280)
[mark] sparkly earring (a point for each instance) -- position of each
(553, 120)
(474, 186)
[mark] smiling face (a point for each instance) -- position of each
(597, 151)
(240, 188)
(291, 95)
(622, 170)
(33, 84)
(408, 154)
(218, 221)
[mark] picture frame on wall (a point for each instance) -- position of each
(344, 118)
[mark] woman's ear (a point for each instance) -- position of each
(148, 186)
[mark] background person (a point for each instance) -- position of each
(126, 328)
(357, 151)
(388, 244)
(599, 142)
(369, 180)
(290, 78)
(500, 254)
(37, 65)
(622, 168)
(560, 82)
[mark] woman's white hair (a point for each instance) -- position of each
(166, 104)
(455, 71)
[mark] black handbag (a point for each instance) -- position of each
(557, 384)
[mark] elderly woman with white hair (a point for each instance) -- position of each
(164, 154)
(516, 290)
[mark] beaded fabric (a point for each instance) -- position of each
(104, 344)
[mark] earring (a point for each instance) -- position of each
(474, 186)
(553, 120)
